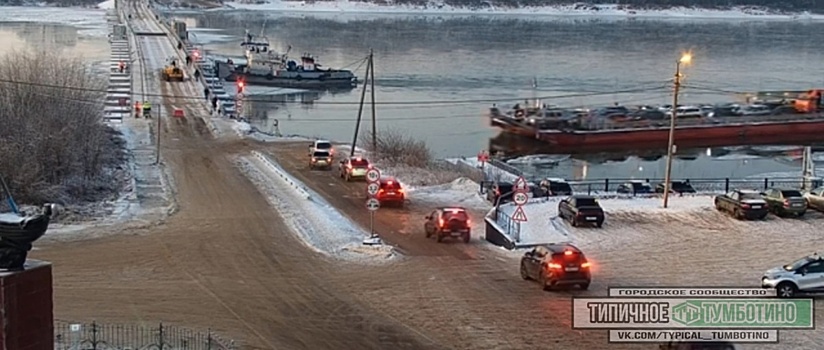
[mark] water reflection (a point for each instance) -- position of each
(50, 37)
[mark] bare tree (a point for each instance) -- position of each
(396, 147)
(53, 146)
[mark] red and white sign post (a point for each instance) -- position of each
(520, 197)
(373, 186)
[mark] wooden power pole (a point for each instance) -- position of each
(360, 108)
(371, 67)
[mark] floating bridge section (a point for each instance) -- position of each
(119, 92)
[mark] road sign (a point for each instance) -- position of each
(373, 204)
(373, 175)
(520, 198)
(521, 185)
(373, 188)
(519, 215)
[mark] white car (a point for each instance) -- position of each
(322, 146)
(805, 275)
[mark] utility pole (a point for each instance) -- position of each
(157, 159)
(360, 108)
(371, 66)
(685, 59)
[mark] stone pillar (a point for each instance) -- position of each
(26, 307)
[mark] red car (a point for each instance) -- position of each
(391, 192)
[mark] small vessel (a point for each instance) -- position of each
(266, 67)
(18, 231)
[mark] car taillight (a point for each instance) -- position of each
(468, 222)
(400, 190)
(786, 203)
(349, 166)
(586, 265)
(440, 222)
(745, 206)
(314, 159)
(553, 266)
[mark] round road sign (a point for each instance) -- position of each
(373, 204)
(520, 198)
(373, 188)
(373, 175)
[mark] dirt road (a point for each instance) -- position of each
(224, 261)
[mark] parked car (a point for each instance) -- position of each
(635, 187)
(554, 187)
(556, 265)
(448, 222)
(815, 199)
(580, 209)
(802, 276)
(501, 192)
(784, 202)
(742, 204)
(679, 187)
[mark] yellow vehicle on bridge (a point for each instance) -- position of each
(171, 72)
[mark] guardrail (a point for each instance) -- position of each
(292, 182)
(700, 185)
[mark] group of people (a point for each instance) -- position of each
(145, 108)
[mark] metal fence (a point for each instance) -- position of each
(511, 227)
(96, 336)
(701, 185)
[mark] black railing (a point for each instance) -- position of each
(511, 227)
(714, 185)
(96, 336)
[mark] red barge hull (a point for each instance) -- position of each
(801, 127)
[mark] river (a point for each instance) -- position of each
(452, 68)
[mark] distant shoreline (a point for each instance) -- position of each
(342, 7)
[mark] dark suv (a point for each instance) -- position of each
(451, 222)
(581, 209)
(500, 193)
(679, 187)
(555, 265)
(555, 187)
(390, 192)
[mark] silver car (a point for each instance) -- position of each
(805, 275)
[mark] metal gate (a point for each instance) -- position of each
(95, 336)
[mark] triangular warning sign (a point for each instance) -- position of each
(521, 185)
(519, 215)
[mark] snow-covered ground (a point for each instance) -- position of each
(435, 8)
(460, 192)
(246, 130)
(544, 226)
(89, 22)
(315, 222)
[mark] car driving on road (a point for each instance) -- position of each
(784, 202)
(742, 204)
(354, 168)
(452, 222)
(390, 192)
(815, 199)
(581, 209)
(805, 275)
(554, 265)
(320, 160)
(321, 145)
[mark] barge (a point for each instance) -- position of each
(783, 122)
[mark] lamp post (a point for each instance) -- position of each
(685, 59)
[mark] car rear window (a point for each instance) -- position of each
(750, 195)
(460, 215)
(559, 187)
(360, 163)
(505, 187)
(323, 145)
(572, 258)
(321, 154)
(394, 186)
(792, 193)
(586, 202)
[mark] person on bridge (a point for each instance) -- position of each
(197, 74)
(214, 103)
(188, 60)
(180, 46)
(147, 109)
(137, 109)
(121, 66)
(206, 93)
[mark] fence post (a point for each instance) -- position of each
(766, 183)
(606, 185)
(209, 339)
(589, 188)
(94, 335)
(160, 337)
(727, 185)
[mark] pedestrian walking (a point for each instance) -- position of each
(147, 109)
(137, 109)
(214, 104)
(206, 93)
(188, 60)
(197, 74)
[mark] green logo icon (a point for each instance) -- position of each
(744, 313)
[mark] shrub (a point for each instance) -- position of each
(397, 148)
(53, 146)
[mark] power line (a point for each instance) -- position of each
(404, 103)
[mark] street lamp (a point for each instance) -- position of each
(685, 59)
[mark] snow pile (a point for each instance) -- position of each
(544, 226)
(246, 130)
(461, 192)
(106, 5)
(607, 10)
(315, 222)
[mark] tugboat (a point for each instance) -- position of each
(268, 68)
